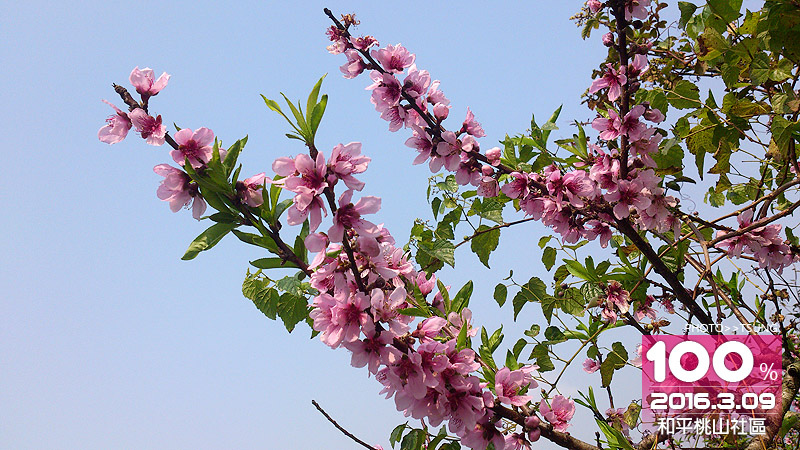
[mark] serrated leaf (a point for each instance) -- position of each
(549, 257)
(759, 69)
(532, 291)
(292, 310)
(684, 95)
(500, 294)
(485, 243)
(261, 294)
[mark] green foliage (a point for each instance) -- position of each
(207, 239)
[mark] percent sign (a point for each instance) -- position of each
(768, 371)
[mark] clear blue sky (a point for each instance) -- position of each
(108, 339)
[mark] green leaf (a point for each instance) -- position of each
(442, 249)
(312, 97)
(396, 434)
(550, 124)
(292, 310)
(684, 95)
(208, 239)
(759, 69)
(727, 10)
(542, 357)
(233, 155)
(273, 105)
(501, 293)
(485, 243)
(261, 294)
(298, 116)
(260, 241)
(272, 263)
(461, 300)
(615, 360)
(687, 11)
(549, 257)
(532, 291)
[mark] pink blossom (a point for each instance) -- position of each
(591, 365)
(429, 328)
(195, 146)
(471, 126)
(559, 412)
(316, 242)
(488, 186)
(354, 65)
(373, 350)
(394, 58)
(422, 142)
(518, 186)
(608, 39)
(637, 360)
(150, 128)
(532, 425)
(363, 42)
(448, 153)
(613, 80)
(416, 82)
(340, 42)
(436, 96)
(594, 5)
(517, 441)
(654, 115)
(508, 383)
(639, 65)
(339, 319)
(636, 8)
(179, 190)
(482, 434)
(629, 194)
(346, 160)
(348, 216)
(613, 127)
(386, 90)
(385, 309)
(251, 190)
(145, 83)
(116, 127)
(618, 296)
(493, 155)
(441, 111)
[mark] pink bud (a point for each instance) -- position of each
(608, 39)
(487, 170)
(441, 111)
(493, 155)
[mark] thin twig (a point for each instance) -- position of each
(340, 428)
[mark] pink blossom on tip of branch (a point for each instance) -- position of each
(594, 5)
(637, 9)
(150, 128)
(116, 127)
(145, 83)
(196, 146)
(559, 412)
(471, 126)
(179, 190)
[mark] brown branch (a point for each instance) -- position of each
(757, 224)
(789, 387)
(340, 428)
(561, 439)
(625, 227)
(496, 227)
(286, 252)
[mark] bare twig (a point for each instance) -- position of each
(340, 428)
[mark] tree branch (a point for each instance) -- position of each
(340, 428)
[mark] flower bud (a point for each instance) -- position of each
(608, 39)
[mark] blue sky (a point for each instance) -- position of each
(109, 340)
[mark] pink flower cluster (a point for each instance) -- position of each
(764, 243)
(196, 147)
